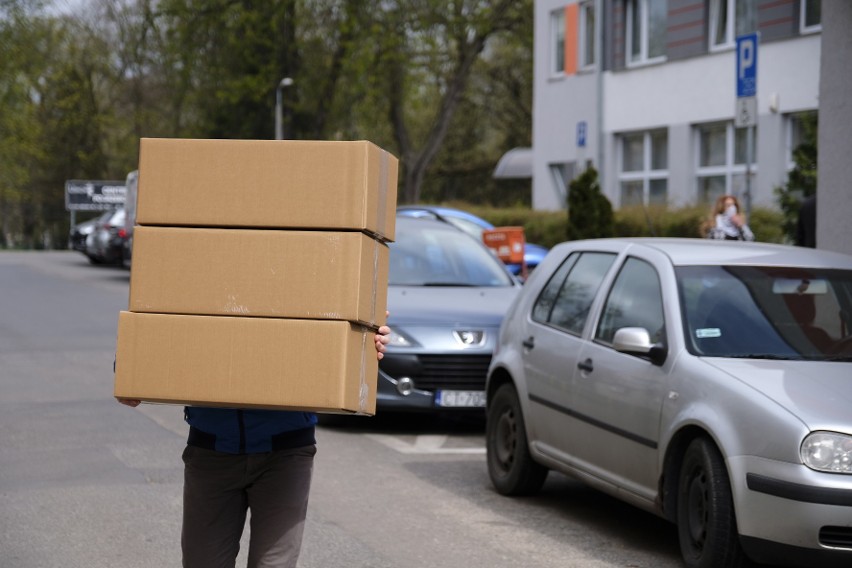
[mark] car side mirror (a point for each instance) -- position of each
(637, 340)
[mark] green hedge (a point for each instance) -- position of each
(548, 228)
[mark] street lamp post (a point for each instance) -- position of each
(279, 126)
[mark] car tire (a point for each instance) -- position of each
(510, 466)
(706, 524)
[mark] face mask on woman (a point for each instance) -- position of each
(730, 210)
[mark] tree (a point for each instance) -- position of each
(428, 54)
(495, 115)
(590, 213)
(446, 86)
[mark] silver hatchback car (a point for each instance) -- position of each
(707, 382)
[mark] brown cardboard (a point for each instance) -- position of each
(333, 185)
(246, 362)
(268, 273)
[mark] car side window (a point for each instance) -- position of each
(635, 300)
(565, 300)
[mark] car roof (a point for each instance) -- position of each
(443, 211)
(692, 252)
(410, 221)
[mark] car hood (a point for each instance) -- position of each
(819, 393)
(447, 305)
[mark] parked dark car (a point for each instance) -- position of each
(447, 296)
(80, 231)
(707, 382)
(473, 225)
(105, 244)
(132, 184)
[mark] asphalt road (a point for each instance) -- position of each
(86, 482)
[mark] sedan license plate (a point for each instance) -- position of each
(460, 399)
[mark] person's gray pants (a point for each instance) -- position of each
(218, 490)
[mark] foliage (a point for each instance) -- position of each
(638, 221)
(444, 86)
(659, 221)
(548, 228)
(802, 179)
(429, 52)
(589, 211)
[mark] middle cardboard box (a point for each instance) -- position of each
(332, 275)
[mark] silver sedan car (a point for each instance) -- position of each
(709, 383)
(447, 295)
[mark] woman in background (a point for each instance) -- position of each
(727, 222)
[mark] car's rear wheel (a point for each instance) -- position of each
(706, 524)
(510, 466)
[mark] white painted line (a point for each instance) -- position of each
(425, 444)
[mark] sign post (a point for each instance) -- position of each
(745, 113)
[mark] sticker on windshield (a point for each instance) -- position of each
(706, 332)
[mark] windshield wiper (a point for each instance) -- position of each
(770, 356)
(841, 358)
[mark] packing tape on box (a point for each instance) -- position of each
(364, 391)
(381, 222)
(376, 317)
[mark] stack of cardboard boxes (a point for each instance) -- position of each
(259, 274)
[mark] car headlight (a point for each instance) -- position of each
(827, 451)
(399, 339)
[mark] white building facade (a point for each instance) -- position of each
(645, 90)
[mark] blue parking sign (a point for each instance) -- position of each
(747, 65)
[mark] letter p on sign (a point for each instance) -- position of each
(747, 65)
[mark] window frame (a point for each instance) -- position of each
(804, 28)
(644, 40)
(730, 40)
(596, 336)
(587, 61)
(557, 43)
(793, 133)
(731, 168)
(556, 285)
(647, 174)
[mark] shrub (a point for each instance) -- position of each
(589, 211)
(548, 228)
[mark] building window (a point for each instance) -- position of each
(811, 17)
(557, 42)
(587, 35)
(722, 159)
(801, 129)
(646, 31)
(644, 172)
(561, 174)
(730, 19)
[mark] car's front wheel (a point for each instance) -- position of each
(510, 466)
(706, 524)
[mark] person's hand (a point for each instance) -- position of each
(132, 402)
(382, 339)
(738, 220)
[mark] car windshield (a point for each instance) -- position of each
(428, 254)
(767, 312)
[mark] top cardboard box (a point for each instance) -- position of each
(283, 184)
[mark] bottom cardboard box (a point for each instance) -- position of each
(240, 362)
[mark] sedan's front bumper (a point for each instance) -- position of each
(412, 382)
(790, 515)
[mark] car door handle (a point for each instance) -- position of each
(586, 366)
(529, 342)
